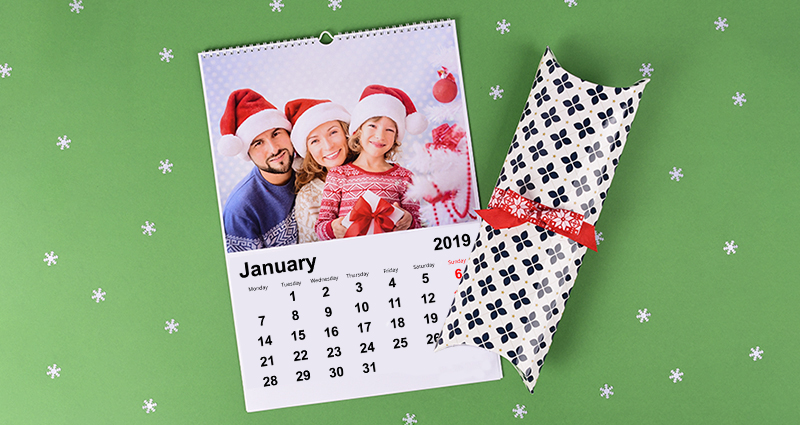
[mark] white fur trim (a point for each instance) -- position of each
(379, 105)
(230, 145)
(416, 123)
(312, 118)
(260, 122)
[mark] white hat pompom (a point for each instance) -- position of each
(416, 123)
(230, 145)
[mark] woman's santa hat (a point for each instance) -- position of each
(382, 101)
(307, 114)
(247, 115)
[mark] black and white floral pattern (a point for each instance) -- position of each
(564, 154)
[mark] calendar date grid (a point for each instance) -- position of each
(337, 326)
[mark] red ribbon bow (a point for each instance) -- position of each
(362, 217)
(509, 209)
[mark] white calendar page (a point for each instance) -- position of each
(356, 321)
(355, 317)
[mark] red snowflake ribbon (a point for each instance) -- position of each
(509, 209)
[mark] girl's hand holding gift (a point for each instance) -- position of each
(405, 222)
(338, 229)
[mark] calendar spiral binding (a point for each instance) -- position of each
(415, 26)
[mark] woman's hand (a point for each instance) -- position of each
(405, 222)
(338, 229)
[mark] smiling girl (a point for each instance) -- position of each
(381, 119)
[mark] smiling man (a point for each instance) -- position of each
(259, 211)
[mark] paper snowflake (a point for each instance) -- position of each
(5, 71)
(50, 258)
(76, 6)
(166, 166)
(496, 92)
(277, 5)
(172, 326)
(52, 371)
(166, 55)
(99, 295)
(148, 228)
(149, 406)
(721, 23)
(503, 26)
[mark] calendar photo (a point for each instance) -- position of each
(311, 141)
(347, 197)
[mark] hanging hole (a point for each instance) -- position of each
(325, 38)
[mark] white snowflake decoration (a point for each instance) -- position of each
(676, 174)
(643, 316)
(676, 375)
(172, 326)
(730, 247)
(149, 406)
(148, 228)
(409, 419)
(503, 26)
(277, 5)
(63, 142)
(50, 258)
(721, 23)
(76, 6)
(606, 391)
(52, 371)
(99, 295)
(496, 92)
(571, 3)
(335, 4)
(739, 99)
(756, 353)
(166, 166)
(5, 71)
(166, 55)
(519, 412)
(598, 237)
(646, 70)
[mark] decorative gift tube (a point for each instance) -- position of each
(371, 214)
(541, 217)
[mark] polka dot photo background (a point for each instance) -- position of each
(114, 302)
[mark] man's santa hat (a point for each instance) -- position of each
(382, 101)
(247, 115)
(307, 114)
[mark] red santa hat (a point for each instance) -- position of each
(307, 114)
(382, 101)
(247, 115)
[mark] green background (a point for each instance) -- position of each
(97, 77)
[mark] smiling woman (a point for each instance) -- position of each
(319, 136)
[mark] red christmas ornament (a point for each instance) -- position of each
(446, 89)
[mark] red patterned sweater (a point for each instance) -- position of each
(346, 183)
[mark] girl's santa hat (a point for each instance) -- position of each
(382, 101)
(247, 115)
(307, 114)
